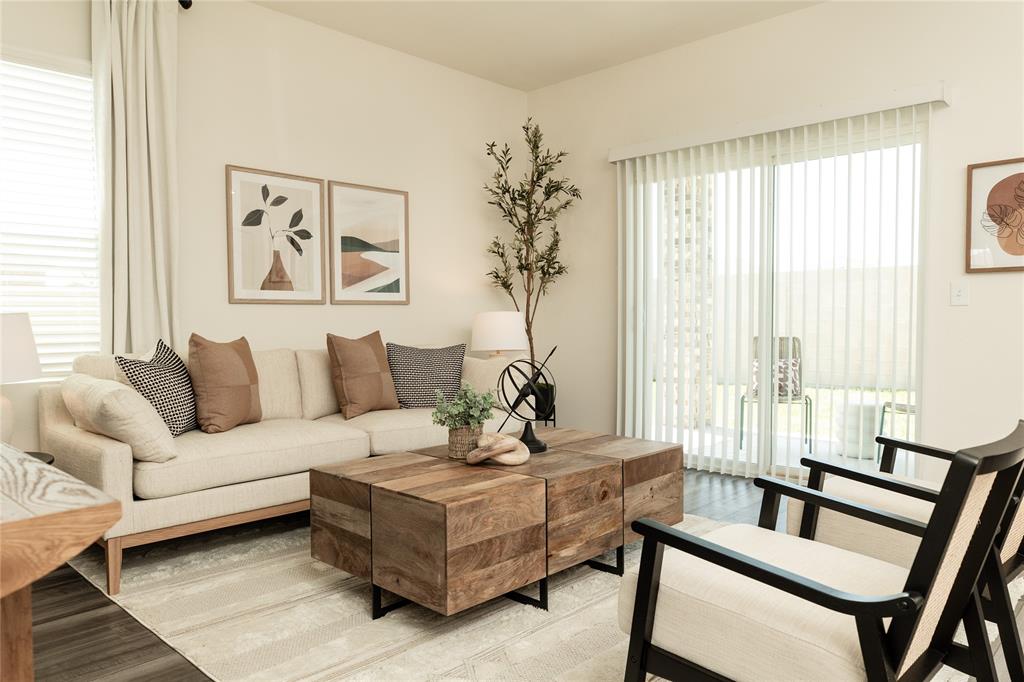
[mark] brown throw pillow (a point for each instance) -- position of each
(225, 382)
(359, 370)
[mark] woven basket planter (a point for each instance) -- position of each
(462, 440)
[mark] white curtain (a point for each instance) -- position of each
(134, 61)
(768, 293)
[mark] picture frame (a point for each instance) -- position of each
(995, 216)
(276, 240)
(368, 243)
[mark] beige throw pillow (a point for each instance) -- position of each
(112, 409)
(225, 382)
(360, 373)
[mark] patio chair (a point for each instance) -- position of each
(749, 603)
(788, 376)
(913, 499)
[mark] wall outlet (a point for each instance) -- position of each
(959, 293)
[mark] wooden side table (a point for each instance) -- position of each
(46, 518)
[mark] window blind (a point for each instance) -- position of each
(49, 227)
(768, 293)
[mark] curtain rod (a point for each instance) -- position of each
(937, 92)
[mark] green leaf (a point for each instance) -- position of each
(253, 217)
(265, 191)
(296, 219)
(303, 234)
(278, 200)
(295, 244)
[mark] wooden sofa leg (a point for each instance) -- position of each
(113, 549)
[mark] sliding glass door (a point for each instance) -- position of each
(769, 293)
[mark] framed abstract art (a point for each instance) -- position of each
(275, 237)
(369, 244)
(995, 216)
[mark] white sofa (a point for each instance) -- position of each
(251, 472)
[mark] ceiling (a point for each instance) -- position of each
(528, 45)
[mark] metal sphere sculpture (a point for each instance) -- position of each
(520, 392)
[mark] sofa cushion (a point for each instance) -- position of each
(112, 409)
(359, 371)
(400, 430)
(483, 373)
(165, 382)
(280, 394)
(865, 537)
(739, 628)
(318, 397)
(226, 383)
(419, 373)
(246, 453)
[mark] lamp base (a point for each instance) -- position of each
(529, 438)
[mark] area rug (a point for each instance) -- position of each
(249, 603)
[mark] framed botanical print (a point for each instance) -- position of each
(275, 237)
(995, 216)
(369, 244)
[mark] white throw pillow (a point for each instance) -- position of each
(112, 409)
(482, 373)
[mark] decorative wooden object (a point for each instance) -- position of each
(499, 449)
(46, 518)
(652, 475)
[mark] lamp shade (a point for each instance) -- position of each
(499, 331)
(19, 360)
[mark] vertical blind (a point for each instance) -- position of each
(49, 228)
(768, 293)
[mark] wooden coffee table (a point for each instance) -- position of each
(449, 536)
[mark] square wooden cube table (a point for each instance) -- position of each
(652, 472)
(436, 532)
(584, 503)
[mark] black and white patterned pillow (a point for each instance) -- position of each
(419, 372)
(165, 382)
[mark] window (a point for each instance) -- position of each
(49, 226)
(769, 301)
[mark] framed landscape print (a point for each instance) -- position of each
(275, 237)
(995, 216)
(369, 244)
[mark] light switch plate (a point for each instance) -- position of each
(959, 293)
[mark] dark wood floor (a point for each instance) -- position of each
(81, 635)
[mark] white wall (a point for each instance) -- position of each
(973, 370)
(262, 89)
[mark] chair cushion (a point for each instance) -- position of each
(742, 629)
(280, 395)
(861, 536)
(246, 453)
(400, 430)
(318, 396)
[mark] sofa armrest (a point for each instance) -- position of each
(101, 462)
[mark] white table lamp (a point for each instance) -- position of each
(19, 361)
(499, 331)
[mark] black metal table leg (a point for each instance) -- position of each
(379, 609)
(541, 602)
(620, 562)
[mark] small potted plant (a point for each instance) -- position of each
(464, 416)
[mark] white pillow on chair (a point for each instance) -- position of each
(112, 409)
